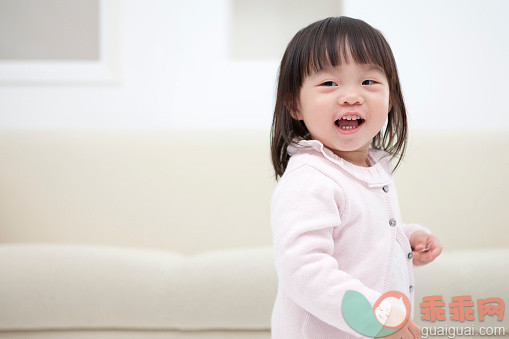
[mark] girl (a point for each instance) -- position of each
(339, 120)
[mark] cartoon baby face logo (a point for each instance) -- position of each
(389, 313)
(390, 309)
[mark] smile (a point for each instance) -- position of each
(349, 126)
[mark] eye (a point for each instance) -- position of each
(370, 80)
(329, 83)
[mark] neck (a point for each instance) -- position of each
(357, 157)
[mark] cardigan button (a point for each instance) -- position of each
(392, 222)
(410, 255)
(411, 288)
(386, 188)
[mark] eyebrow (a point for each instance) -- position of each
(367, 68)
(373, 67)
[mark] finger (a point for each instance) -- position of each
(433, 242)
(419, 262)
(419, 247)
(420, 259)
(415, 330)
(430, 241)
(420, 243)
(407, 334)
(428, 257)
(435, 248)
(417, 239)
(434, 253)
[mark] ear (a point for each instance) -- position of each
(296, 115)
(390, 104)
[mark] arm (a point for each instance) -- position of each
(304, 213)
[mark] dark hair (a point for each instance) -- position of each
(320, 45)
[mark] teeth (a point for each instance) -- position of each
(351, 117)
(348, 117)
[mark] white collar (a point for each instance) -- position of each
(377, 174)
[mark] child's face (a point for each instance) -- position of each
(331, 94)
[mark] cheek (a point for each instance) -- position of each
(382, 98)
(318, 110)
(381, 104)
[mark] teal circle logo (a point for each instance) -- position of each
(389, 313)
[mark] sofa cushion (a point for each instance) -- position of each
(63, 286)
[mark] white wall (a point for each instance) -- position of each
(452, 58)
(177, 73)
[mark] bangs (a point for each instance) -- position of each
(330, 43)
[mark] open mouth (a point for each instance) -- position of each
(347, 125)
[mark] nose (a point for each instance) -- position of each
(351, 99)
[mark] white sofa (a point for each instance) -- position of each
(167, 234)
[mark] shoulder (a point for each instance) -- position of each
(303, 180)
(309, 164)
(304, 174)
(306, 188)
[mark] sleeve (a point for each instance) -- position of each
(304, 213)
(409, 229)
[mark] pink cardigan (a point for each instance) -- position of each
(334, 228)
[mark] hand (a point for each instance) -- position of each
(419, 241)
(409, 331)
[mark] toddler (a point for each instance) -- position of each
(339, 121)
